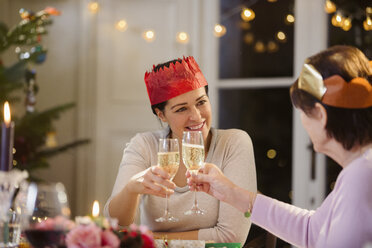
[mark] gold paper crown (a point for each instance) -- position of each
(335, 91)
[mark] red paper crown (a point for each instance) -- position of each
(177, 79)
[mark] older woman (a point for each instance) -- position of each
(334, 96)
(178, 94)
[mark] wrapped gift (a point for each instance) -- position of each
(160, 243)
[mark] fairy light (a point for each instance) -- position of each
(369, 10)
(272, 47)
(121, 25)
(271, 153)
(367, 23)
(337, 19)
(245, 25)
(259, 47)
(272, 1)
(289, 19)
(182, 37)
(247, 14)
(280, 35)
(329, 7)
(149, 35)
(219, 30)
(93, 7)
(248, 38)
(346, 24)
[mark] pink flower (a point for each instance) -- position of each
(133, 227)
(143, 229)
(109, 239)
(148, 241)
(88, 236)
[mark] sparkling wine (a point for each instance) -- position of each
(169, 161)
(193, 156)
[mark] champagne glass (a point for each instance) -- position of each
(169, 160)
(193, 159)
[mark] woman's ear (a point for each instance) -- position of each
(321, 114)
(160, 114)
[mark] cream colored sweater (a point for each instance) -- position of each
(231, 150)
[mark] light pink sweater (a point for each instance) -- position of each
(343, 220)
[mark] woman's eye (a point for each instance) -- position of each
(201, 102)
(181, 109)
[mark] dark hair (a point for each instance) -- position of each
(350, 127)
(162, 105)
(161, 66)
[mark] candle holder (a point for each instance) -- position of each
(13, 207)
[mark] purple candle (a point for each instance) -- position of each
(7, 133)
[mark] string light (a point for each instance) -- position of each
(346, 24)
(247, 14)
(245, 25)
(259, 47)
(248, 38)
(271, 153)
(289, 19)
(329, 7)
(367, 23)
(219, 30)
(272, 1)
(337, 20)
(272, 47)
(149, 35)
(121, 25)
(280, 35)
(183, 37)
(93, 7)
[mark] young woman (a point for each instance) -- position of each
(178, 94)
(334, 96)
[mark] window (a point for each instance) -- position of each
(262, 47)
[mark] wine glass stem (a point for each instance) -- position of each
(195, 200)
(166, 203)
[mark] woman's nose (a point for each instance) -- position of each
(195, 114)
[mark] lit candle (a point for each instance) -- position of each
(7, 133)
(95, 209)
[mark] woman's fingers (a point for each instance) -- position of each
(160, 172)
(155, 181)
(162, 193)
(160, 177)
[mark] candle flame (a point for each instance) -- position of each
(7, 113)
(95, 210)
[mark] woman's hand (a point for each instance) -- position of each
(212, 181)
(153, 181)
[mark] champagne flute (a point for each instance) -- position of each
(193, 159)
(168, 160)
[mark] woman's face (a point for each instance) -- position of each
(315, 129)
(188, 112)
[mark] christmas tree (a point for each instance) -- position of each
(34, 132)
